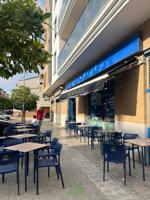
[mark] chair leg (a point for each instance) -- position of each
(88, 140)
(57, 171)
(124, 169)
(18, 182)
(104, 169)
(84, 138)
(133, 157)
(139, 154)
(37, 181)
(61, 176)
(80, 134)
(22, 163)
(107, 166)
(3, 178)
(48, 172)
(129, 164)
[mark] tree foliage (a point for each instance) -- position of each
(23, 99)
(5, 103)
(21, 37)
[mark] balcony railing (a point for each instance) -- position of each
(92, 9)
(64, 6)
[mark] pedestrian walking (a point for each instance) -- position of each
(39, 116)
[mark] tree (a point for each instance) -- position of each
(5, 103)
(23, 100)
(21, 37)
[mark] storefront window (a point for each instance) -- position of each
(102, 103)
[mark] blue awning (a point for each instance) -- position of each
(125, 50)
(147, 90)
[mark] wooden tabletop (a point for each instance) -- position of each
(85, 126)
(6, 121)
(26, 147)
(3, 137)
(22, 136)
(71, 122)
(104, 132)
(21, 126)
(143, 142)
(24, 130)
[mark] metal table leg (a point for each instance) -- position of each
(145, 155)
(143, 162)
(26, 169)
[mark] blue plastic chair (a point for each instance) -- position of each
(93, 135)
(48, 136)
(36, 129)
(11, 142)
(72, 127)
(67, 125)
(44, 137)
(49, 148)
(115, 154)
(9, 130)
(52, 159)
(9, 163)
(128, 136)
(116, 137)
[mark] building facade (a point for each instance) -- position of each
(36, 86)
(3, 93)
(100, 72)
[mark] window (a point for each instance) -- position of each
(54, 64)
(102, 103)
(55, 28)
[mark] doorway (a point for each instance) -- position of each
(72, 109)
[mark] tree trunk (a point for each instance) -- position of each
(23, 117)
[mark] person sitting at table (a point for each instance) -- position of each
(34, 120)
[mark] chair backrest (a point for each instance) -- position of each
(8, 157)
(116, 135)
(11, 142)
(78, 123)
(67, 122)
(128, 136)
(57, 148)
(48, 133)
(35, 129)
(54, 141)
(9, 130)
(114, 153)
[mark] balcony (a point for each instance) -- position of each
(69, 15)
(64, 7)
(93, 8)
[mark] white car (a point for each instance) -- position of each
(5, 117)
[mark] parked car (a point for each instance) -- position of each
(5, 117)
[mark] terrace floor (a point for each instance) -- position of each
(82, 171)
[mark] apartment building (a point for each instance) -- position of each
(100, 69)
(36, 86)
(3, 93)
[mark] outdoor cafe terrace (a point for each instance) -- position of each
(82, 169)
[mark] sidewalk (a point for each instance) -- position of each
(82, 171)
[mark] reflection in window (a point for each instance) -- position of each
(102, 103)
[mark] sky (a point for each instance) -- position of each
(10, 84)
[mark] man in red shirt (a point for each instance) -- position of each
(39, 116)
